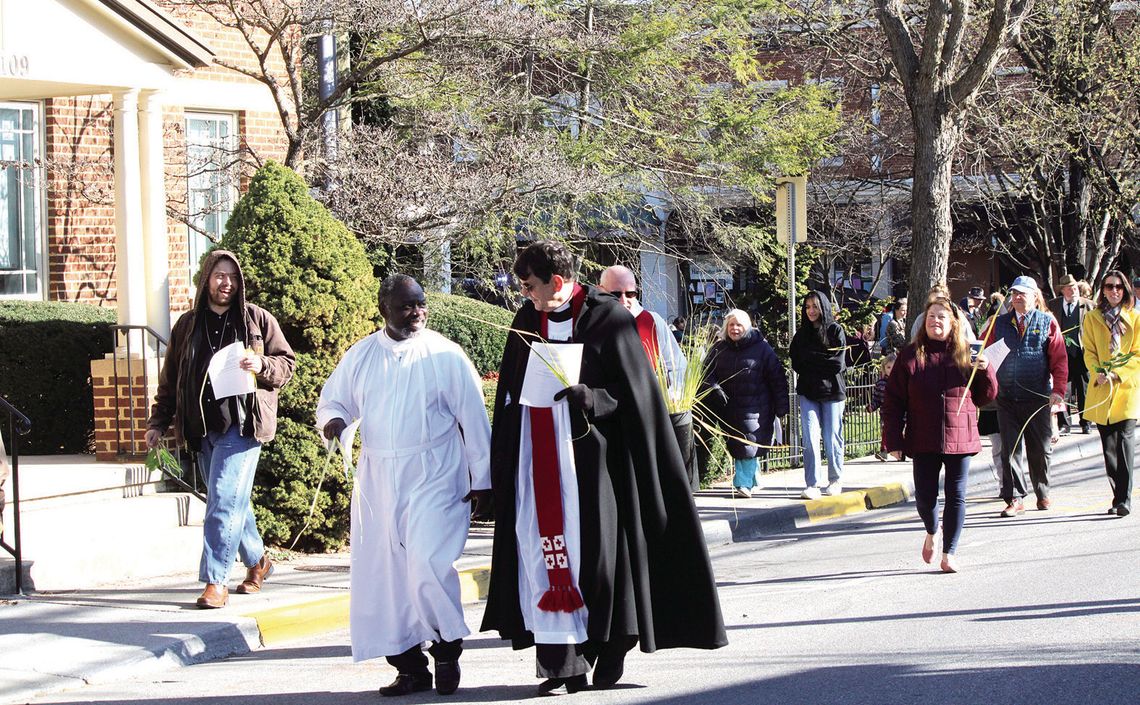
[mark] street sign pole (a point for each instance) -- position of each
(791, 227)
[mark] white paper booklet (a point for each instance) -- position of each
(541, 383)
(226, 376)
(996, 354)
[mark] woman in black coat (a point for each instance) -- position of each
(749, 386)
(818, 357)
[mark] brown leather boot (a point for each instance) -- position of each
(255, 576)
(213, 597)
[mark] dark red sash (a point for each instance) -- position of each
(647, 330)
(562, 596)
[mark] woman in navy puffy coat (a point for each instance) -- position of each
(749, 390)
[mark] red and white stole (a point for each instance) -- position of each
(647, 330)
(563, 595)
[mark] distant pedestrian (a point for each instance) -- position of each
(743, 370)
(895, 337)
(972, 307)
(818, 357)
(930, 413)
(1136, 288)
(940, 290)
(1113, 401)
(886, 364)
(1070, 309)
(859, 346)
(679, 329)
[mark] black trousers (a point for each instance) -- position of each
(1032, 449)
(1079, 381)
(1119, 443)
(414, 661)
(565, 660)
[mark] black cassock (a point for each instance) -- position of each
(645, 569)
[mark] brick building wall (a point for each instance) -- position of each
(80, 209)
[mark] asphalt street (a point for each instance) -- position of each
(1046, 609)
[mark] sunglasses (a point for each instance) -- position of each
(626, 294)
(1109, 285)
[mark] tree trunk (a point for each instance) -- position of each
(937, 137)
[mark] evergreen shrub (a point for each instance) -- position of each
(46, 349)
(306, 268)
(477, 327)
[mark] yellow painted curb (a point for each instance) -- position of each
(327, 614)
(473, 584)
(886, 495)
(301, 620)
(837, 506)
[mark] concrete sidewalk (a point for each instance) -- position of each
(59, 641)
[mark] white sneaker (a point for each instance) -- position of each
(742, 492)
(833, 489)
(811, 493)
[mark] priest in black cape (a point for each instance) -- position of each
(621, 559)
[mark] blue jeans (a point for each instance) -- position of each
(828, 416)
(228, 461)
(927, 467)
(745, 475)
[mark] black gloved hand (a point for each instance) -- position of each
(579, 396)
(481, 508)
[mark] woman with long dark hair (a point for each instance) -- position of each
(1109, 331)
(930, 413)
(818, 353)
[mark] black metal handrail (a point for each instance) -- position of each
(150, 340)
(18, 425)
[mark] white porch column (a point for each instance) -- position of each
(156, 245)
(130, 259)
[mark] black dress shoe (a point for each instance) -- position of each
(1122, 511)
(572, 684)
(1085, 427)
(606, 676)
(407, 683)
(446, 677)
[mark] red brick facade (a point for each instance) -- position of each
(80, 208)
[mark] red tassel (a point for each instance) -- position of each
(561, 599)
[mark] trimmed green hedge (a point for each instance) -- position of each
(46, 349)
(477, 327)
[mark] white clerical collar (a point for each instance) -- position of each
(636, 309)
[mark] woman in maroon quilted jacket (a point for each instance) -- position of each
(930, 413)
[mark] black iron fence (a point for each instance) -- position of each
(132, 384)
(862, 429)
(18, 425)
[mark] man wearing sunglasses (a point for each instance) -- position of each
(658, 341)
(1030, 380)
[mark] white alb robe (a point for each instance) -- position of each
(548, 627)
(409, 520)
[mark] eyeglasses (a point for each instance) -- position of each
(626, 294)
(1110, 285)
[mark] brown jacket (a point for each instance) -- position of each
(180, 384)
